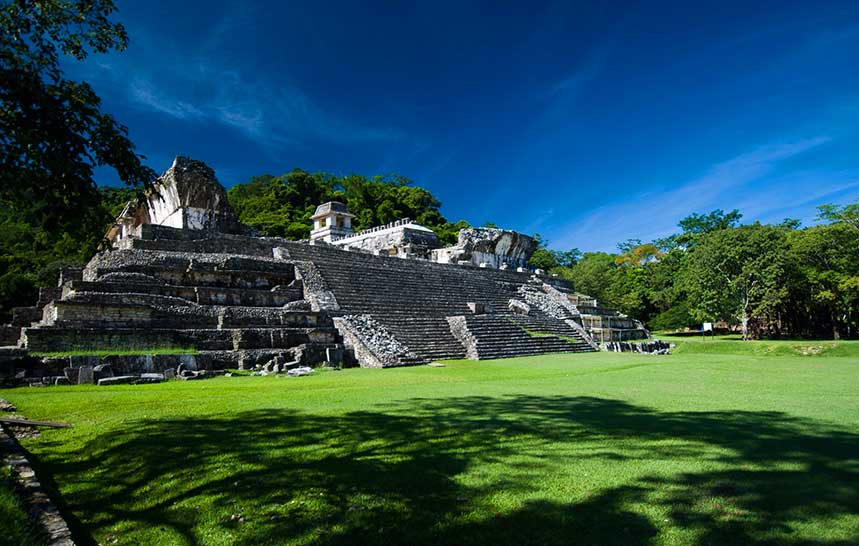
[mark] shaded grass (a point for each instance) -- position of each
(603, 448)
(15, 527)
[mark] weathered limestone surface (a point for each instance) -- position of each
(490, 247)
(375, 342)
(237, 305)
(412, 300)
(186, 196)
(403, 238)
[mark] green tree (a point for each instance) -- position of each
(738, 274)
(544, 259)
(695, 225)
(282, 206)
(828, 259)
(52, 130)
(593, 275)
(849, 214)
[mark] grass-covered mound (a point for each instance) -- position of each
(690, 449)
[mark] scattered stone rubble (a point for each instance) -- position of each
(655, 347)
(378, 340)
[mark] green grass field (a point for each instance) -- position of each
(722, 443)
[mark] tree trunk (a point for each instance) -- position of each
(744, 321)
(835, 333)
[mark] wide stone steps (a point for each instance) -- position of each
(413, 299)
(427, 337)
(498, 336)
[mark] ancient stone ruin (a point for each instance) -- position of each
(184, 286)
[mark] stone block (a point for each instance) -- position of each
(118, 380)
(85, 375)
(150, 378)
(477, 308)
(334, 355)
(102, 371)
(72, 374)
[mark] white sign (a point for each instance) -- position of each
(708, 327)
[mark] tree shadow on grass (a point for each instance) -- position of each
(436, 471)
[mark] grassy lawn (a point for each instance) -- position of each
(738, 445)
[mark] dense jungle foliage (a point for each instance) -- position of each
(768, 280)
(282, 206)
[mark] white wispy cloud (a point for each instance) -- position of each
(654, 213)
(581, 75)
(205, 86)
(146, 94)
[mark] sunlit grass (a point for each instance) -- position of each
(734, 344)
(690, 449)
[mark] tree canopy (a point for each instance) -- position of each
(282, 206)
(771, 280)
(52, 130)
(53, 135)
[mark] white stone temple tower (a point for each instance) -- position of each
(331, 221)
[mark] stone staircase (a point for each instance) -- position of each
(499, 336)
(240, 300)
(414, 298)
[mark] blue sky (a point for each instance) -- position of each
(588, 123)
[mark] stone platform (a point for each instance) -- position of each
(240, 301)
(217, 296)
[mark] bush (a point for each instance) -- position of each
(674, 318)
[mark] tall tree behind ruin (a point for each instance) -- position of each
(52, 130)
(53, 134)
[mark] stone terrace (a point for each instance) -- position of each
(241, 301)
(236, 309)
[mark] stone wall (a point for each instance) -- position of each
(459, 329)
(490, 247)
(9, 335)
(372, 344)
(186, 196)
(402, 238)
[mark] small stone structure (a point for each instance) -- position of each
(488, 247)
(186, 196)
(482, 247)
(331, 221)
(182, 274)
(403, 239)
